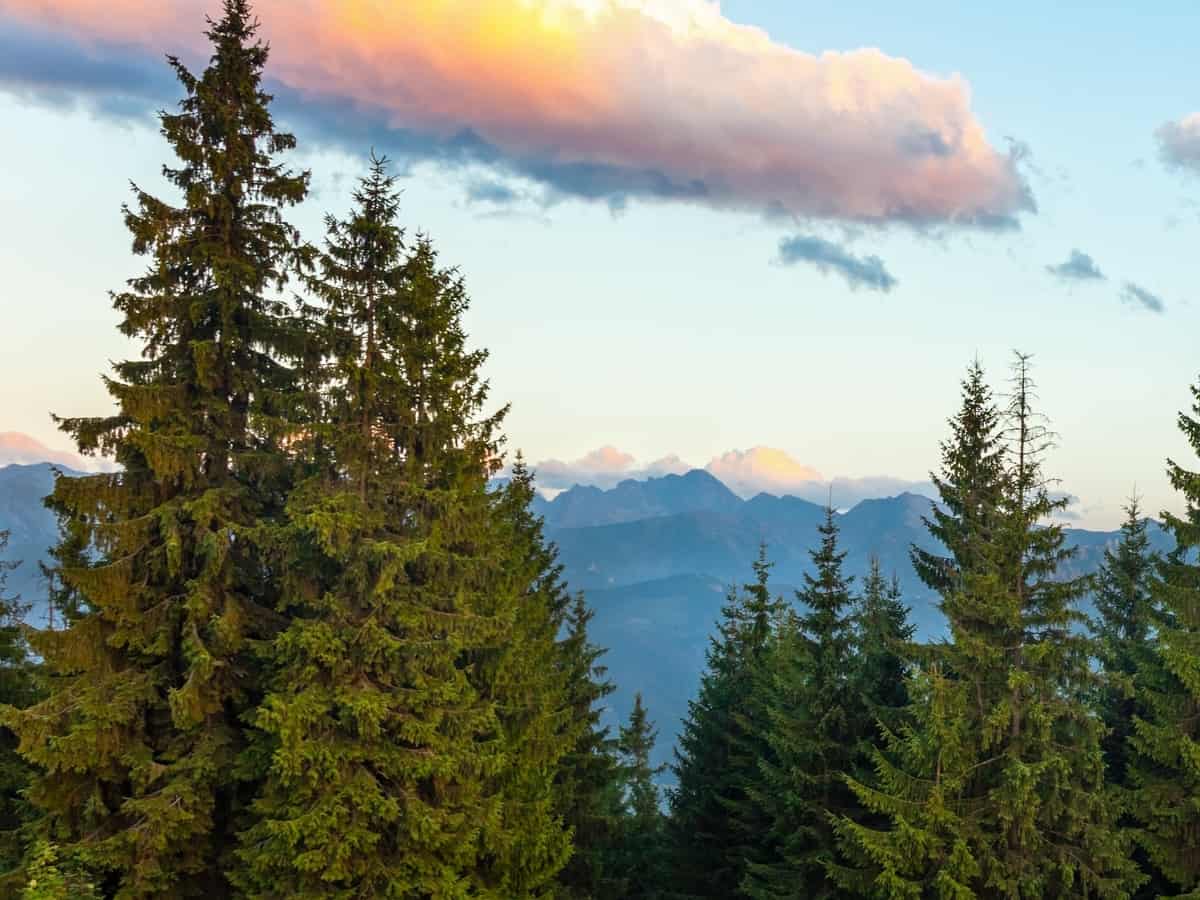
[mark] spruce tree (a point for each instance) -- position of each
(138, 743)
(588, 781)
(882, 634)
(1165, 764)
(534, 704)
(968, 486)
(18, 689)
(811, 731)
(1123, 629)
(412, 728)
(713, 829)
(997, 788)
(642, 859)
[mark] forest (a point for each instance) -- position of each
(311, 646)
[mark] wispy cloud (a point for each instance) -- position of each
(1179, 143)
(859, 271)
(599, 99)
(745, 472)
(1136, 295)
(1079, 266)
(605, 467)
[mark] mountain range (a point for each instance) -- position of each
(656, 558)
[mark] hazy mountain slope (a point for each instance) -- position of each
(33, 529)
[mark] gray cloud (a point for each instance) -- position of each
(859, 271)
(914, 154)
(488, 191)
(1078, 267)
(1136, 295)
(1179, 143)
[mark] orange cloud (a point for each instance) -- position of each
(671, 90)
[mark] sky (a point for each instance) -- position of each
(760, 236)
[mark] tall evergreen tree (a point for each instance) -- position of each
(412, 725)
(811, 730)
(969, 487)
(1165, 767)
(882, 634)
(997, 789)
(588, 780)
(712, 829)
(1124, 633)
(534, 704)
(642, 859)
(18, 689)
(138, 742)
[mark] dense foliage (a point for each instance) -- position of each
(307, 644)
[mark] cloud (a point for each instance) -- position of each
(22, 450)
(1078, 267)
(605, 467)
(745, 472)
(859, 271)
(761, 470)
(494, 192)
(1179, 143)
(609, 100)
(767, 470)
(1136, 295)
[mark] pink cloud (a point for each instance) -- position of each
(662, 98)
(762, 470)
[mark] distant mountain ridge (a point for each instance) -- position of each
(655, 557)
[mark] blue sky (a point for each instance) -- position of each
(671, 327)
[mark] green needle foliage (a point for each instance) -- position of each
(18, 688)
(1124, 633)
(413, 725)
(641, 860)
(996, 788)
(712, 832)
(1165, 768)
(589, 778)
(882, 635)
(142, 728)
(811, 727)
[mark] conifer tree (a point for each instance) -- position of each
(412, 725)
(18, 689)
(534, 704)
(882, 633)
(713, 827)
(588, 780)
(811, 731)
(1123, 629)
(1165, 765)
(997, 788)
(642, 861)
(969, 486)
(138, 742)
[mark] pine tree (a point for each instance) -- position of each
(969, 487)
(532, 844)
(713, 828)
(18, 689)
(642, 858)
(882, 634)
(997, 788)
(1124, 634)
(138, 743)
(1165, 764)
(412, 724)
(588, 780)
(810, 728)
